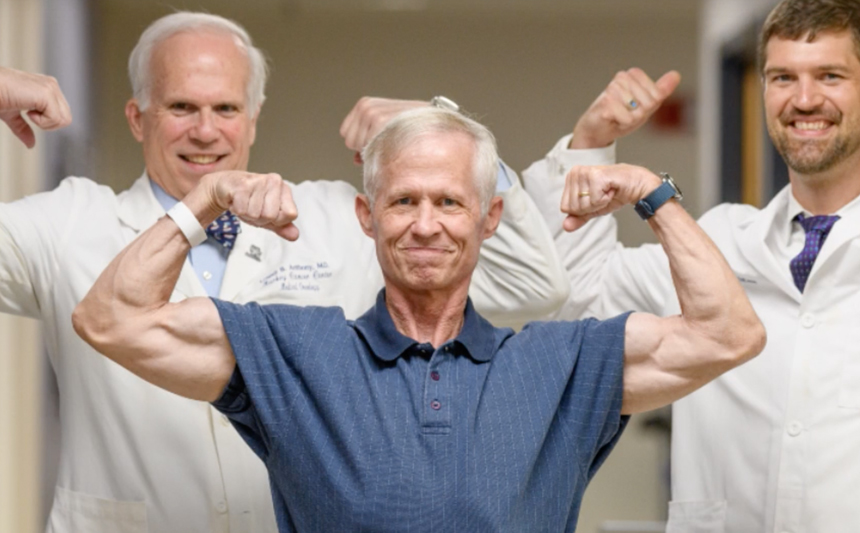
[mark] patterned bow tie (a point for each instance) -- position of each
(817, 228)
(224, 229)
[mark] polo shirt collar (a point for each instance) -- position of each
(477, 337)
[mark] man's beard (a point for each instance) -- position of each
(813, 156)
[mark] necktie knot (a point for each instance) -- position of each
(224, 229)
(817, 228)
(820, 223)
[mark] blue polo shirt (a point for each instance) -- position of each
(364, 429)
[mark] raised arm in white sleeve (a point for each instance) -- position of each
(604, 277)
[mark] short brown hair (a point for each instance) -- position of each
(794, 19)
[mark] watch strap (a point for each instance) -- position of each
(646, 207)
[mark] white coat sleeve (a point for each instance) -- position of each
(24, 253)
(17, 295)
(519, 277)
(34, 232)
(605, 278)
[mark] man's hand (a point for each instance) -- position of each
(36, 95)
(263, 200)
(592, 191)
(625, 105)
(368, 116)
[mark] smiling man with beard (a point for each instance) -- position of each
(771, 445)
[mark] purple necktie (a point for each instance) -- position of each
(816, 229)
(224, 229)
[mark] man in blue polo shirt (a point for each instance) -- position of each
(420, 415)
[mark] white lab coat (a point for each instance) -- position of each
(136, 458)
(773, 445)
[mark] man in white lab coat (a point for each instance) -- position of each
(772, 445)
(135, 458)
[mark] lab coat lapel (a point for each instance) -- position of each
(846, 229)
(246, 260)
(138, 209)
(752, 244)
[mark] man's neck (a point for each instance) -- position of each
(429, 316)
(827, 192)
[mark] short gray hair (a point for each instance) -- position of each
(139, 71)
(410, 126)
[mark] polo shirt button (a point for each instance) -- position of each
(436, 405)
(221, 506)
(434, 376)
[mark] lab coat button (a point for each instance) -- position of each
(795, 428)
(221, 506)
(807, 320)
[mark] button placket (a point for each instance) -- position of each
(437, 391)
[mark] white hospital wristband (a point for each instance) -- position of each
(188, 223)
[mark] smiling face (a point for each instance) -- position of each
(426, 218)
(812, 103)
(196, 122)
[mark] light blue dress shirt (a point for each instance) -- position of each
(209, 258)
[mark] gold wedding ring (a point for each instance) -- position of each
(584, 193)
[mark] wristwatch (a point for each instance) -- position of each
(445, 103)
(646, 207)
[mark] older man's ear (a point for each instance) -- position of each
(362, 211)
(494, 216)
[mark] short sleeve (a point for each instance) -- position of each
(596, 390)
(268, 342)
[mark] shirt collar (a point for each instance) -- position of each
(477, 337)
(794, 208)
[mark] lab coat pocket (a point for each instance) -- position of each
(849, 390)
(706, 516)
(75, 512)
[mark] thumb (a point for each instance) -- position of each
(289, 232)
(21, 129)
(573, 223)
(667, 83)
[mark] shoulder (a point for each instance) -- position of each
(579, 329)
(253, 323)
(323, 192)
(73, 198)
(73, 191)
(590, 338)
(728, 216)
